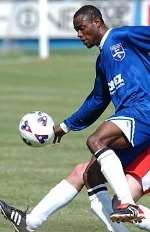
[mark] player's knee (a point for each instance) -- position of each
(76, 176)
(79, 171)
(93, 142)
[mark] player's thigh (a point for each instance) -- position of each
(140, 170)
(134, 124)
(108, 134)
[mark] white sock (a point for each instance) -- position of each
(101, 205)
(58, 197)
(111, 168)
(145, 224)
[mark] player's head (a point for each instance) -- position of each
(89, 24)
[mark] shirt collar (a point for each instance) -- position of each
(104, 38)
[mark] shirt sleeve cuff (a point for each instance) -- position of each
(64, 127)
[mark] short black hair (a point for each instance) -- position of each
(90, 11)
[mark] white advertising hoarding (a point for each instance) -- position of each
(145, 12)
(20, 19)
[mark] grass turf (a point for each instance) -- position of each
(56, 86)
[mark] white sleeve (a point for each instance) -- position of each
(64, 127)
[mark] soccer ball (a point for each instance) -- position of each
(36, 129)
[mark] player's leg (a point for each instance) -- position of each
(101, 203)
(58, 197)
(138, 189)
(137, 192)
(100, 199)
(138, 177)
(101, 144)
(61, 195)
(135, 187)
(139, 182)
(137, 174)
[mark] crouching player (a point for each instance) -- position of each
(64, 192)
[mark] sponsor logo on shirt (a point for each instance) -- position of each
(115, 83)
(118, 52)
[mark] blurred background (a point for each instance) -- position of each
(25, 23)
(43, 66)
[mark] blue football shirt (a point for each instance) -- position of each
(122, 75)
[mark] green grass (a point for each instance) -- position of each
(56, 86)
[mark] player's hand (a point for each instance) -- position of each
(59, 132)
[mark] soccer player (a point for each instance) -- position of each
(101, 204)
(123, 77)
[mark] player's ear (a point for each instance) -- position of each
(97, 21)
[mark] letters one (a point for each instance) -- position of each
(115, 83)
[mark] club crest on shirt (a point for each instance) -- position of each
(118, 52)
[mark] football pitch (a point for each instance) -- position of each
(56, 86)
